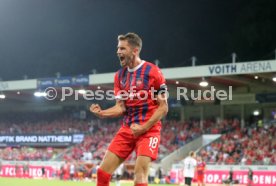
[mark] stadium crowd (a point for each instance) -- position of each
(243, 146)
(236, 145)
(41, 123)
(97, 133)
(174, 134)
(28, 153)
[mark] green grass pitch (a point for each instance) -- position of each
(45, 182)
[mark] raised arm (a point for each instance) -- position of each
(117, 110)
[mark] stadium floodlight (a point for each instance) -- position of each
(82, 91)
(256, 113)
(204, 83)
(274, 79)
(2, 96)
(40, 94)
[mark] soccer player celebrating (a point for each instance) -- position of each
(140, 93)
(200, 171)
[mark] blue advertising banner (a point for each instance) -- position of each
(266, 97)
(80, 80)
(66, 81)
(40, 139)
(63, 81)
(46, 82)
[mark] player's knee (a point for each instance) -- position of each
(140, 175)
(141, 169)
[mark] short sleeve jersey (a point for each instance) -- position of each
(200, 168)
(137, 87)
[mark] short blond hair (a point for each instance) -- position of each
(192, 153)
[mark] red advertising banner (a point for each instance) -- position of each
(32, 171)
(260, 178)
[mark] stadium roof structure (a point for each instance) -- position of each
(253, 77)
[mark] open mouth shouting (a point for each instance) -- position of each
(122, 60)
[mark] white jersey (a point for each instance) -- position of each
(72, 169)
(189, 167)
(119, 170)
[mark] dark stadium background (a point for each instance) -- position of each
(72, 43)
(39, 38)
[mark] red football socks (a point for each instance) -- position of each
(141, 184)
(103, 178)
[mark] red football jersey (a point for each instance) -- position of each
(200, 168)
(135, 86)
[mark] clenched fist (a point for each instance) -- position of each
(137, 129)
(96, 109)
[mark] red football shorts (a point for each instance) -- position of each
(200, 178)
(125, 142)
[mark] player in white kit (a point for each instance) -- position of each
(118, 174)
(189, 168)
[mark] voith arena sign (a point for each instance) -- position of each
(250, 67)
(241, 68)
